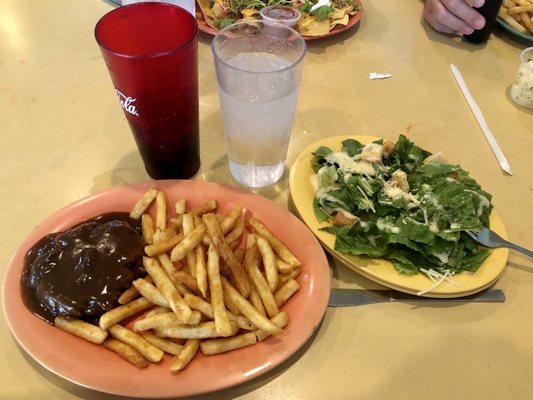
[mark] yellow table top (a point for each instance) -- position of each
(64, 136)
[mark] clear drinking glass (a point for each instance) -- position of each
(522, 89)
(259, 67)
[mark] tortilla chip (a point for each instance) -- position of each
(205, 8)
(340, 21)
(315, 28)
(338, 13)
(204, 5)
(249, 13)
(305, 20)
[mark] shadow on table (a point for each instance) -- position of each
(218, 171)
(516, 106)
(521, 267)
(504, 36)
(230, 393)
(129, 169)
(351, 279)
(318, 46)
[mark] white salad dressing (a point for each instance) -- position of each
(372, 152)
(483, 202)
(348, 164)
(433, 225)
(314, 182)
(385, 226)
(443, 257)
(395, 193)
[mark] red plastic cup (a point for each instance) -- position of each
(151, 51)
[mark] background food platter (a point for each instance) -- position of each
(518, 36)
(378, 270)
(93, 366)
(354, 19)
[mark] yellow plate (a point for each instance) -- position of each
(379, 270)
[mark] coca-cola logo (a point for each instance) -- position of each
(127, 103)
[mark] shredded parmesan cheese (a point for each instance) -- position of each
(437, 278)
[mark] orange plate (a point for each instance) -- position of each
(94, 367)
(354, 19)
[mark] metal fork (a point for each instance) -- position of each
(490, 239)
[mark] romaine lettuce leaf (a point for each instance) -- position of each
(351, 147)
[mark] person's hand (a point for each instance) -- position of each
(454, 16)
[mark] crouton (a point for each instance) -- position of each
(344, 218)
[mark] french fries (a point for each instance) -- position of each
(122, 312)
(150, 292)
(148, 351)
(164, 320)
(518, 14)
(162, 247)
(189, 243)
(208, 207)
(281, 321)
(186, 355)
(147, 224)
(520, 9)
(205, 330)
(285, 292)
(156, 311)
(248, 310)
(283, 267)
(229, 221)
(269, 262)
(217, 346)
(251, 263)
(283, 278)
(219, 241)
(84, 330)
(127, 352)
(216, 298)
(167, 288)
(201, 270)
(197, 303)
(279, 248)
(256, 301)
(163, 344)
(132, 293)
(171, 271)
(161, 210)
(239, 254)
(163, 235)
(142, 205)
(237, 231)
(180, 206)
(187, 280)
(188, 227)
(215, 288)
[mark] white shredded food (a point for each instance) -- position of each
(437, 278)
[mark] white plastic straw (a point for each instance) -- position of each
(481, 120)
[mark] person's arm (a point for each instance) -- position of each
(454, 16)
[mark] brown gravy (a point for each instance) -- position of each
(81, 272)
